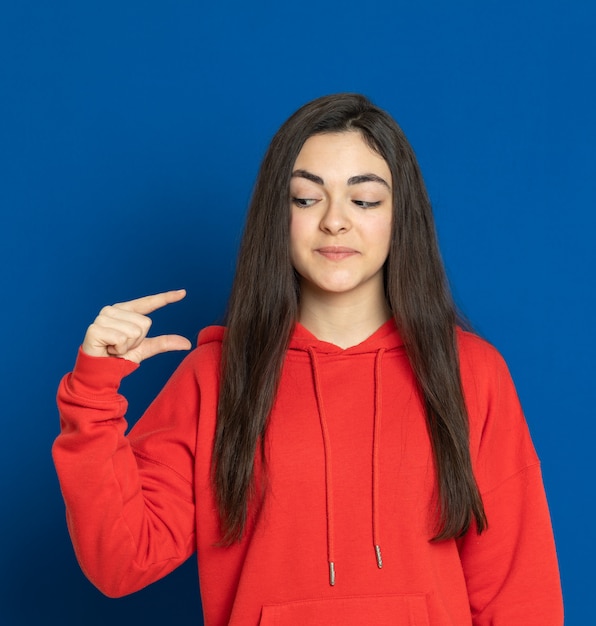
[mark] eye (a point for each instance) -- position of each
(303, 203)
(366, 205)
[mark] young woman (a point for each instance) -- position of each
(342, 452)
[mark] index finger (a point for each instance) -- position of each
(148, 304)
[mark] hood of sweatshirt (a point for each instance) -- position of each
(386, 338)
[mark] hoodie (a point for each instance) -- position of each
(343, 533)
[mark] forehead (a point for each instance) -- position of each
(340, 153)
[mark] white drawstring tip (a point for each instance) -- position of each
(331, 573)
(379, 557)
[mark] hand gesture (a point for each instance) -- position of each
(121, 330)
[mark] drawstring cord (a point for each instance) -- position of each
(375, 463)
(328, 464)
(328, 474)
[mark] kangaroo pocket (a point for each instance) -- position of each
(391, 610)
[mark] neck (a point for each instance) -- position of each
(340, 320)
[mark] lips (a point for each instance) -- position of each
(336, 253)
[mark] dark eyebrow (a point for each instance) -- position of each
(368, 178)
(305, 174)
(354, 180)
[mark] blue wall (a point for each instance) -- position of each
(130, 134)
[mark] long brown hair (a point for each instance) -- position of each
(263, 309)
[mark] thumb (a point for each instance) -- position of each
(151, 346)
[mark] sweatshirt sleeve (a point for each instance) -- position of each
(129, 499)
(511, 569)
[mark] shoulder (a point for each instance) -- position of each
(487, 383)
(473, 347)
(481, 364)
(484, 373)
(204, 360)
(211, 336)
(500, 441)
(209, 344)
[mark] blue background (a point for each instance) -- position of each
(130, 135)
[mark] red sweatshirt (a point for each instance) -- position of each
(349, 468)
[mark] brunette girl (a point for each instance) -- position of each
(342, 452)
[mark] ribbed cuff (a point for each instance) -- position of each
(96, 376)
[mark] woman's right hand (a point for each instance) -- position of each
(121, 330)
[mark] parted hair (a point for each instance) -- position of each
(263, 309)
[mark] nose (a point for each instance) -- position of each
(335, 219)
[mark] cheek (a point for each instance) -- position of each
(298, 233)
(382, 236)
(295, 238)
